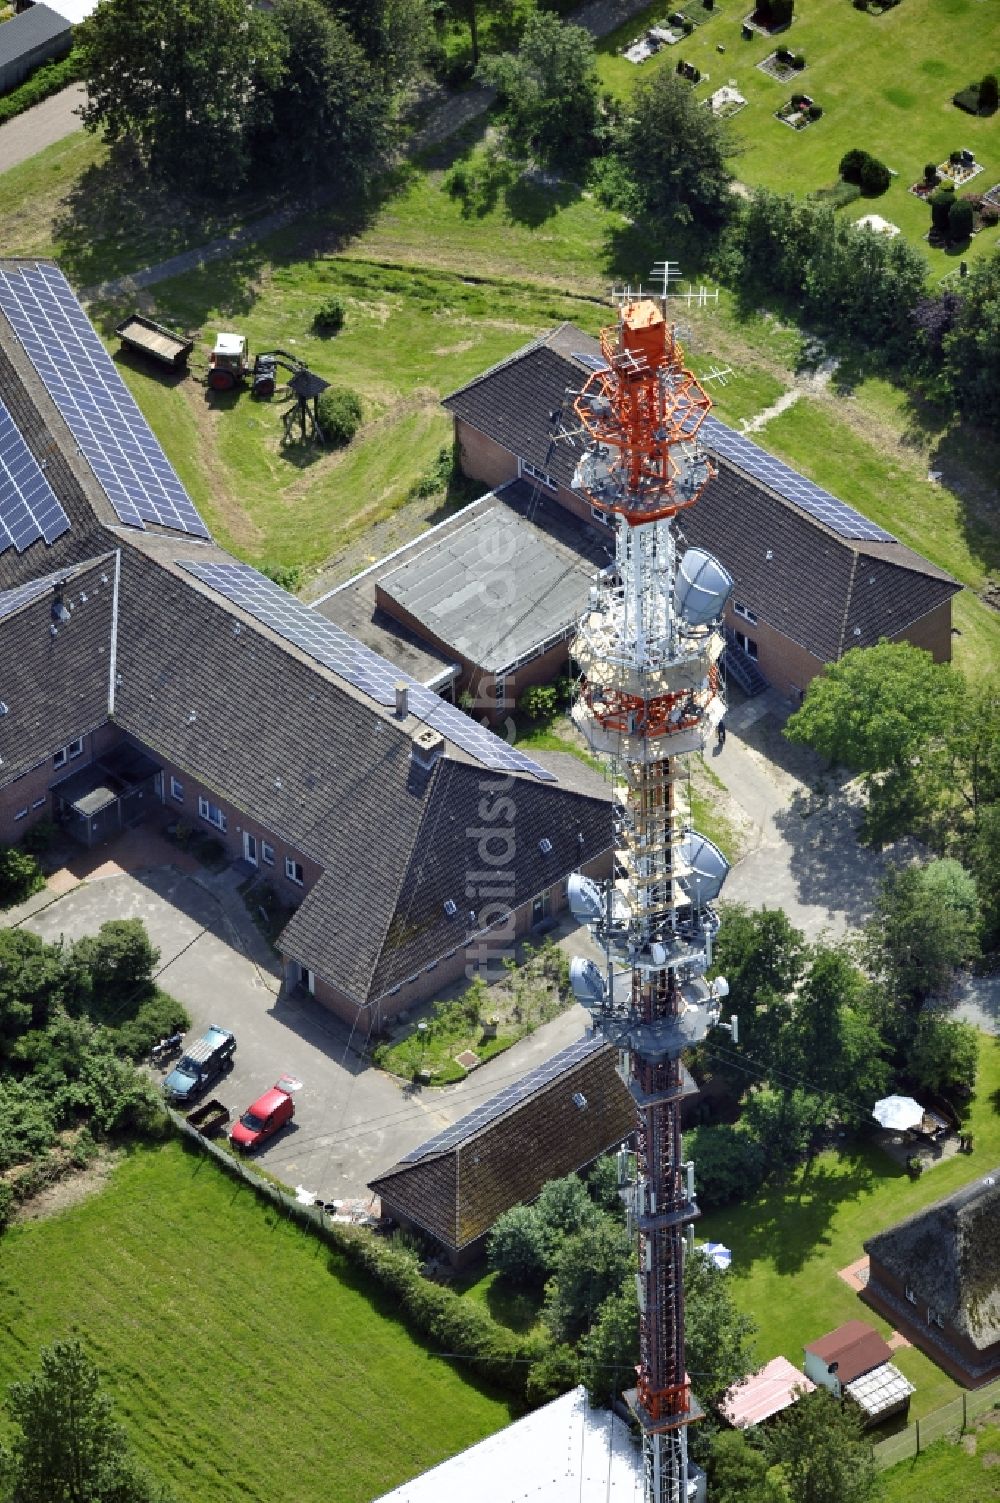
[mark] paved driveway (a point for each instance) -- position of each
(352, 1121)
(38, 127)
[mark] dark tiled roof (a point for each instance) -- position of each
(31, 29)
(827, 592)
(949, 1255)
(457, 1193)
(855, 1347)
(55, 685)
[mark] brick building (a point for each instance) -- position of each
(145, 673)
(813, 578)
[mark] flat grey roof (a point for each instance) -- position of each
(495, 588)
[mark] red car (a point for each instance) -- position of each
(268, 1114)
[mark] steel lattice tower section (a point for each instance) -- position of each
(651, 694)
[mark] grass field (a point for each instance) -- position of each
(789, 1243)
(946, 1473)
(246, 1364)
(885, 83)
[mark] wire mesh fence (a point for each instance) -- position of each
(948, 1422)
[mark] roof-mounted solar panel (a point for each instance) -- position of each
(374, 675)
(29, 510)
(102, 415)
(754, 461)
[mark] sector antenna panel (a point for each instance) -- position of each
(368, 671)
(81, 378)
(29, 510)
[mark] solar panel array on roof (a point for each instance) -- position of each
(12, 600)
(28, 506)
(592, 362)
(759, 465)
(100, 412)
(359, 665)
(510, 1096)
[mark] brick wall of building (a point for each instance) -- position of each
(944, 1345)
(786, 665)
(27, 799)
(932, 632)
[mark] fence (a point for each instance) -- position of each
(948, 1422)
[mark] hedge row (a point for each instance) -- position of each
(46, 80)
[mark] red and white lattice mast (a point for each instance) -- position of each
(648, 650)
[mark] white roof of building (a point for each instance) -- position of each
(764, 1394)
(881, 1389)
(566, 1452)
(73, 11)
(878, 224)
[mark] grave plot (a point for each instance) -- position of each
(782, 64)
(798, 112)
(960, 168)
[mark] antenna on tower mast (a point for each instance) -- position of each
(650, 695)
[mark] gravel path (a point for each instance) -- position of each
(38, 127)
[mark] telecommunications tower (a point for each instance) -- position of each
(650, 695)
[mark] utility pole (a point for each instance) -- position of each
(651, 695)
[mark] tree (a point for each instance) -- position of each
(960, 221)
(784, 1122)
(762, 955)
(518, 1246)
(20, 876)
(590, 1265)
(830, 1041)
(943, 1055)
(718, 1345)
(69, 1448)
(564, 1207)
(728, 1163)
(393, 34)
(327, 110)
(674, 154)
(120, 960)
(187, 80)
(609, 1350)
(823, 1455)
(926, 925)
(34, 981)
(548, 91)
(877, 707)
(738, 1472)
(972, 349)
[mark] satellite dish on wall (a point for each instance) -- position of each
(702, 589)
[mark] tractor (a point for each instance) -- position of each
(229, 366)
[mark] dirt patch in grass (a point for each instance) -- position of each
(78, 1185)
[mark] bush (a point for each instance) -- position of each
(329, 316)
(554, 1374)
(930, 174)
(954, 157)
(20, 876)
(729, 1165)
(815, 111)
(798, 61)
(339, 415)
(851, 164)
(6, 1202)
(875, 176)
(40, 837)
(941, 201)
(288, 576)
(539, 702)
(960, 221)
(120, 961)
(46, 80)
(156, 1019)
(517, 1247)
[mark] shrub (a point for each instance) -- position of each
(46, 80)
(329, 316)
(851, 164)
(6, 1202)
(120, 961)
(539, 702)
(941, 201)
(815, 111)
(517, 1247)
(875, 176)
(687, 27)
(20, 876)
(158, 1017)
(954, 157)
(339, 415)
(960, 221)
(553, 1374)
(930, 174)
(459, 182)
(39, 838)
(798, 61)
(288, 576)
(728, 1164)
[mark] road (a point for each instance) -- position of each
(38, 127)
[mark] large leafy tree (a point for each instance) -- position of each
(823, 1455)
(831, 1041)
(926, 925)
(590, 1265)
(718, 1344)
(327, 110)
(972, 348)
(68, 1447)
(762, 956)
(185, 79)
(675, 154)
(548, 91)
(943, 1055)
(393, 34)
(738, 1472)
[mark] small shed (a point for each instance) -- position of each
(774, 1388)
(880, 1394)
(109, 795)
(845, 1354)
(34, 37)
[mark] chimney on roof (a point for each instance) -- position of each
(428, 744)
(402, 699)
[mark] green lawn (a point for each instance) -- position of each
(790, 1241)
(885, 83)
(245, 1361)
(946, 1473)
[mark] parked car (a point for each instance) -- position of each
(202, 1063)
(268, 1114)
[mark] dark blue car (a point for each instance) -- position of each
(198, 1066)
